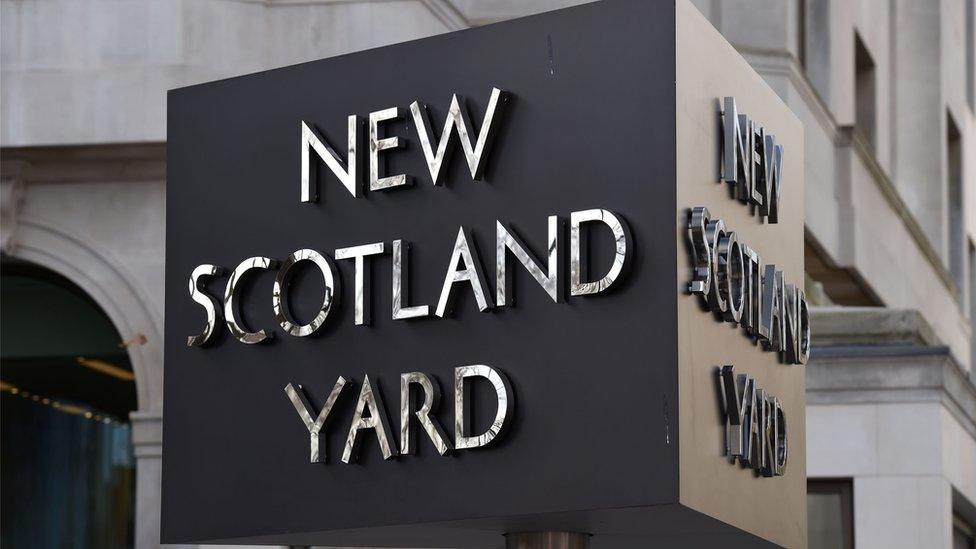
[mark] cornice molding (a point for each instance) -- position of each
(444, 10)
(889, 374)
(124, 162)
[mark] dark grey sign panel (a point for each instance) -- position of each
(588, 123)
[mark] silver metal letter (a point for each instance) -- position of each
(369, 398)
(279, 303)
(771, 181)
(471, 273)
(736, 398)
(804, 329)
(736, 149)
(753, 299)
(506, 405)
(797, 326)
(401, 258)
(760, 168)
(359, 253)
(782, 447)
(345, 171)
(237, 327)
(209, 303)
(701, 277)
(432, 397)
(506, 239)
(714, 231)
(376, 145)
(731, 281)
(457, 118)
(304, 409)
(621, 236)
(774, 314)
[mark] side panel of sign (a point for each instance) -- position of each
(740, 279)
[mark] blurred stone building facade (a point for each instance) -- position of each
(884, 88)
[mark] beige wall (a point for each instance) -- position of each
(708, 69)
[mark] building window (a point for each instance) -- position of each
(962, 534)
(830, 514)
(815, 48)
(957, 233)
(972, 308)
(865, 93)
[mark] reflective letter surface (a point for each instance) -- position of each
(279, 302)
(506, 405)
(236, 326)
(621, 235)
(304, 409)
(507, 240)
(432, 396)
(359, 253)
(470, 273)
(345, 171)
(207, 301)
(369, 398)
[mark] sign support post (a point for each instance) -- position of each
(547, 540)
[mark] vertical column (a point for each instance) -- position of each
(902, 512)
(147, 442)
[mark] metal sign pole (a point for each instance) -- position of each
(547, 540)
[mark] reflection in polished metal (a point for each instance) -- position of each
(773, 159)
(754, 436)
(369, 398)
(791, 312)
(736, 395)
(752, 161)
(506, 405)
(236, 326)
(755, 424)
(432, 396)
(731, 281)
(401, 277)
(547, 540)
(345, 171)
(471, 273)
(753, 296)
(773, 312)
(305, 411)
(359, 253)
(804, 329)
(208, 302)
(506, 239)
(376, 145)
(621, 235)
(701, 251)
(377, 421)
(279, 302)
(757, 191)
(780, 441)
(714, 231)
(457, 118)
(737, 150)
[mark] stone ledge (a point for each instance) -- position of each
(833, 326)
(874, 374)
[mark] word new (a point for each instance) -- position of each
(755, 424)
(370, 414)
(752, 162)
(436, 152)
(732, 281)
